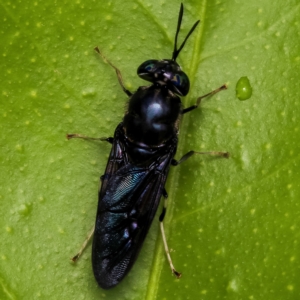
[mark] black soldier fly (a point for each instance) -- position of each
(143, 149)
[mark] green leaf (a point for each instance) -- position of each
(233, 224)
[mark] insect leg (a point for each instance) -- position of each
(104, 139)
(190, 153)
(79, 136)
(118, 72)
(76, 257)
(223, 87)
(161, 218)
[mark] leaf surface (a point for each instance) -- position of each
(233, 224)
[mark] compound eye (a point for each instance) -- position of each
(181, 83)
(150, 67)
(177, 80)
(147, 70)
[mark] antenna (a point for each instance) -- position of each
(177, 51)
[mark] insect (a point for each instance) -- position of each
(143, 149)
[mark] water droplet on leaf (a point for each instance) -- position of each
(243, 88)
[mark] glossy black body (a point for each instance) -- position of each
(143, 148)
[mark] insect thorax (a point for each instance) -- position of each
(152, 116)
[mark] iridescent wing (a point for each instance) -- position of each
(127, 205)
